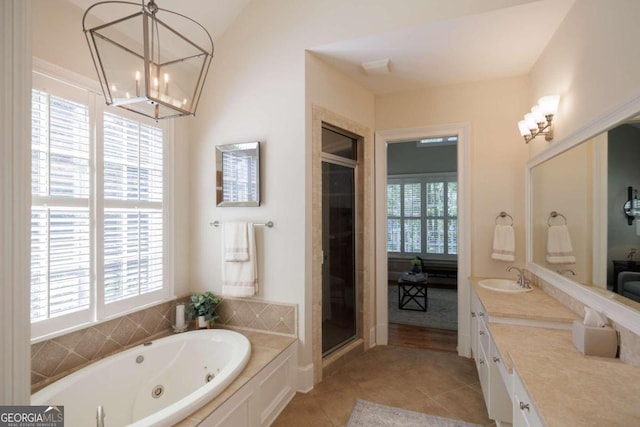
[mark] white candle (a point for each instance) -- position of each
(137, 83)
(179, 316)
(166, 84)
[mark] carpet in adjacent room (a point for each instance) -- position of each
(442, 310)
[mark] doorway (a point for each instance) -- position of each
(422, 230)
(339, 231)
(383, 139)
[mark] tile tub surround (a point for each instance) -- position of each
(257, 315)
(57, 357)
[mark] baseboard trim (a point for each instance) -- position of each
(304, 378)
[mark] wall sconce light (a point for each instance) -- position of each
(632, 205)
(144, 64)
(539, 120)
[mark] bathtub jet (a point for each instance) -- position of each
(151, 385)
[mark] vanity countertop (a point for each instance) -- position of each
(565, 386)
(568, 388)
(535, 305)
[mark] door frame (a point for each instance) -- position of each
(382, 139)
(366, 260)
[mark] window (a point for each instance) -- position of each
(98, 216)
(422, 215)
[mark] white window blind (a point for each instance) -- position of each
(421, 215)
(60, 220)
(99, 219)
(133, 219)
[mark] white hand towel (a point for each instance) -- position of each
(240, 278)
(235, 241)
(504, 243)
(559, 248)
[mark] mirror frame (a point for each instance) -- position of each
(617, 308)
(221, 151)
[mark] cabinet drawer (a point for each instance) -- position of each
(524, 413)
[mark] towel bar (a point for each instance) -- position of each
(268, 224)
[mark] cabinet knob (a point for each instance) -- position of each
(481, 361)
(481, 332)
(524, 406)
(496, 359)
(481, 314)
(473, 314)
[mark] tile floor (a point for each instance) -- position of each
(433, 382)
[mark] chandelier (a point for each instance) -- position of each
(144, 61)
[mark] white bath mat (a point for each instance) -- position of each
(369, 414)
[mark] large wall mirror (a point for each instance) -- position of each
(584, 185)
(238, 174)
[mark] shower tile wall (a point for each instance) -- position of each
(60, 356)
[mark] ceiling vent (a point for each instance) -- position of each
(377, 68)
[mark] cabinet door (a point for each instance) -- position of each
(475, 308)
(500, 406)
(483, 373)
(524, 413)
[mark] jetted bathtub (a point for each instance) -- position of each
(154, 384)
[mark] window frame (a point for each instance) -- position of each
(422, 179)
(63, 83)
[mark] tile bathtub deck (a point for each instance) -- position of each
(432, 382)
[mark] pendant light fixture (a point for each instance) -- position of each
(151, 61)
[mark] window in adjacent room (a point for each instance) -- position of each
(422, 215)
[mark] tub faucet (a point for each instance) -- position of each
(100, 416)
(522, 281)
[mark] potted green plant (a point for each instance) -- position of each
(202, 308)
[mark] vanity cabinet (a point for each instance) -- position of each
(491, 371)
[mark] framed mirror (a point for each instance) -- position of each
(238, 174)
(585, 179)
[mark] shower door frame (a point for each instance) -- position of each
(354, 166)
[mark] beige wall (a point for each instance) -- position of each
(498, 152)
(58, 39)
(591, 62)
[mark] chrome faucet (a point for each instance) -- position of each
(522, 281)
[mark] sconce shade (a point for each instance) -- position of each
(524, 128)
(531, 121)
(549, 104)
(145, 64)
(537, 114)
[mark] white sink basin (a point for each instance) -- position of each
(503, 285)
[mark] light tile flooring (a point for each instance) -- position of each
(432, 382)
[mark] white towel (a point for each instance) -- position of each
(235, 241)
(504, 243)
(559, 248)
(240, 278)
